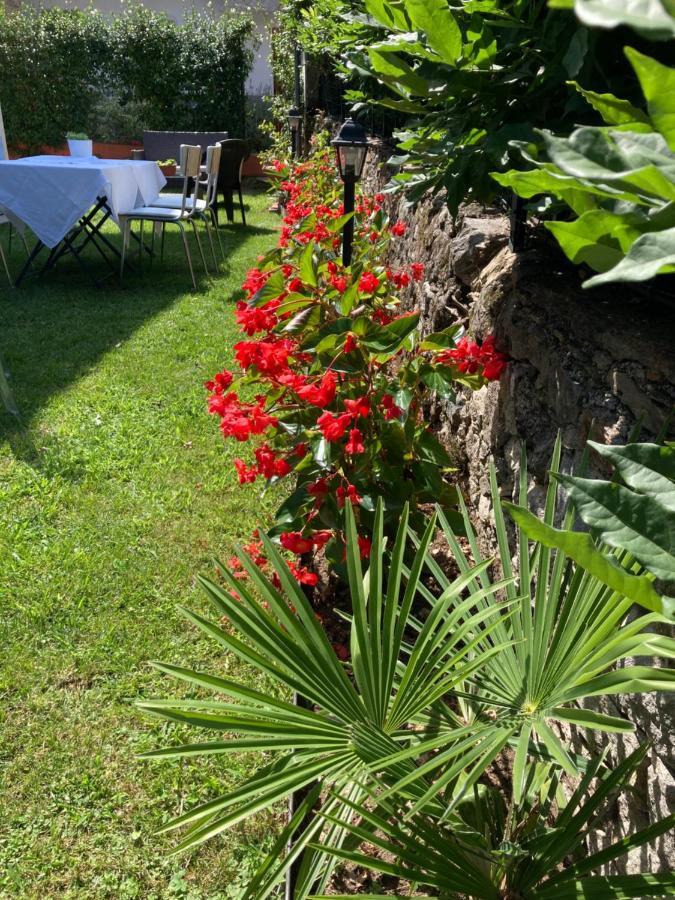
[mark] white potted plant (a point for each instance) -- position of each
(79, 144)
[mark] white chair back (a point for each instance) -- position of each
(190, 163)
(212, 170)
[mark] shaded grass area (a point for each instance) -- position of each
(114, 495)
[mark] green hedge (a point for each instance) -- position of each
(71, 70)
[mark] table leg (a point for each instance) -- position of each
(29, 262)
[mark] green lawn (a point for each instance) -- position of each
(115, 495)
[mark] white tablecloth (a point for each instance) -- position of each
(50, 193)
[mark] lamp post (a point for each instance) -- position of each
(351, 147)
(294, 119)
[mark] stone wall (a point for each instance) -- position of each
(585, 363)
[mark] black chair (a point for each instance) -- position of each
(234, 153)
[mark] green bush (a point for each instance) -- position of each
(51, 66)
(66, 69)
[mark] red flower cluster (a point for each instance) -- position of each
(240, 420)
(331, 375)
(472, 358)
(268, 464)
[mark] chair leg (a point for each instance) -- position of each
(25, 244)
(187, 253)
(241, 205)
(205, 219)
(161, 249)
(228, 200)
(9, 239)
(199, 245)
(125, 240)
(140, 244)
(214, 216)
(4, 263)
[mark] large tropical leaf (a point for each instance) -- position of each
(654, 19)
(618, 178)
(639, 515)
(581, 547)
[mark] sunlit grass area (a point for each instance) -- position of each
(114, 494)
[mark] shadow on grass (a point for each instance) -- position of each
(54, 330)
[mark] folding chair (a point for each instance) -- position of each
(204, 209)
(190, 165)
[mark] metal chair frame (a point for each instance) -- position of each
(205, 208)
(190, 167)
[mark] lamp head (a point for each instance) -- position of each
(351, 148)
(294, 118)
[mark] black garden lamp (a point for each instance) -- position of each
(294, 120)
(351, 148)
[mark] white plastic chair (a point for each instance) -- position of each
(204, 209)
(185, 212)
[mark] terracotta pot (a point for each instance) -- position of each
(168, 171)
(115, 151)
(252, 167)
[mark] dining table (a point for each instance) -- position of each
(66, 200)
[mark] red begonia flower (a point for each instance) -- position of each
(350, 343)
(355, 443)
(294, 542)
(364, 547)
(322, 393)
(368, 283)
(332, 426)
(349, 493)
(359, 408)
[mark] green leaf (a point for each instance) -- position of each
(348, 299)
(651, 254)
(391, 15)
(434, 18)
(578, 195)
(274, 286)
(648, 17)
(609, 887)
(580, 547)
(397, 70)
(588, 718)
(306, 267)
(658, 85)
(576, 51)
(598, 238)
(648, 468)
(440, 340)
(392, 336)
(613, 110)
(438, 379)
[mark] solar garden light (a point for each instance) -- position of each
(294, 120)
(351, 148)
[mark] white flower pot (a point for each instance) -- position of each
(81, 148)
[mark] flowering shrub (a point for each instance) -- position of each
(331, 372)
